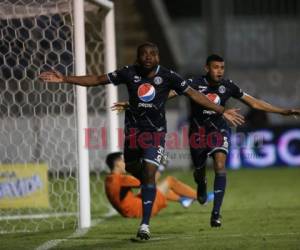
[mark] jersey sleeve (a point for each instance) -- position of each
(119, 76)
(130, 181)
(178, 83)
(191, 82)
(236, 92)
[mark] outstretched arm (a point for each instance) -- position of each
(204, 101)
(196, 96)
(230, 115)
(57, 77)
(267, 107)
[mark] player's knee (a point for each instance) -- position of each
(148, 177)
(219, 167)
(170, 179)
(148, 173)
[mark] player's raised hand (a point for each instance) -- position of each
(52, 77)
(234, 117)
(120, 106)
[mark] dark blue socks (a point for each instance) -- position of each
(148, 196)
(219, 190)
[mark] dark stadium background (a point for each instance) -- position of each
(259, 40)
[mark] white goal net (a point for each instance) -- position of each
(38, 129)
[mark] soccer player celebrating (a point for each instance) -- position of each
(148, 86)
(206, 123)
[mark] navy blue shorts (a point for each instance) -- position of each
(205, 141)
(144, 146)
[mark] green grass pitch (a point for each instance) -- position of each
(261, 211)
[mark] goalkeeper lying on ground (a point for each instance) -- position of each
(118, 188)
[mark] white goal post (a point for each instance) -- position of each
(43, 126)
(80, 69)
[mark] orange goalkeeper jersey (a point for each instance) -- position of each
(118, 188)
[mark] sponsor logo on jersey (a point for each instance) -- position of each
(202, 88)
(146, 92)
(136, 78)
(145, 105)
(158, 80)
(214, 98)
(222, 89)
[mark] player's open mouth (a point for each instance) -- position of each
(148, 64)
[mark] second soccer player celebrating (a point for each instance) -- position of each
(204, 123)
(148, 85)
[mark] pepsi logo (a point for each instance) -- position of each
(214, 98)
(146, 92)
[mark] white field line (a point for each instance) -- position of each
(78, 233)
(35, 216)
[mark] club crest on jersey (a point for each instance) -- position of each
(158, 80)
(222, 89)
(146, 92)
(214, 98)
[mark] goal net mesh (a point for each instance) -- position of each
(38, 138)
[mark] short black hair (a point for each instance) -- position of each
(214, 58)
(112, 158)
(146, 44)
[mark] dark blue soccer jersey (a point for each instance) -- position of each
(147, 96)
(219, 94)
